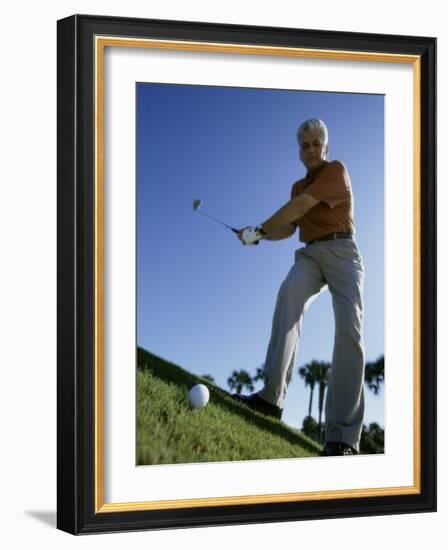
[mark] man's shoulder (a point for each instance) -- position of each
(335, 166)
(297, 186)
(332, 168)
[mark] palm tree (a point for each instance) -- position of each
(307, 374)
(316, 372)
(374, 375)
(322, 381)
(311, 373)
(309, 428)
(372, 439)
(239, 380)
(260, 375)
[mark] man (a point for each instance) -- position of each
(321, 206)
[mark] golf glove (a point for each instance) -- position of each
(252, 235)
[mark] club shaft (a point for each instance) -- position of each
(219, 221)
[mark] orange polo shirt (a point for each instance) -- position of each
(331, 186)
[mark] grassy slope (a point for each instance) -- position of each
(169, 431)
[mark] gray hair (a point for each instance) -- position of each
(312, 124)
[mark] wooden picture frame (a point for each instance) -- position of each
(82, 42)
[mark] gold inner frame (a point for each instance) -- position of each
(101, 42)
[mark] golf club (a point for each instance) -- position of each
(196, 207)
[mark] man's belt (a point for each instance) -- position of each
(332, 237)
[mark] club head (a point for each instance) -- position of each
(197, 204)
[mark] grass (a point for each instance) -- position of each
(170, 432)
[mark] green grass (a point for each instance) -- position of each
(170, 432)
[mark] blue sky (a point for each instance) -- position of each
(206, 302)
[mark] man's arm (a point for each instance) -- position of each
(282, 232)
(290, 212)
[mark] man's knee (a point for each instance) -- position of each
(292, 291)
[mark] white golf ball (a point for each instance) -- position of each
(198, 396)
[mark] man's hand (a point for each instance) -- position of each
(250, 235)
(240, 233)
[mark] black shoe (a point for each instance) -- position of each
(335, 448)
(256, 403)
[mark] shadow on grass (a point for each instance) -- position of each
(171, 373)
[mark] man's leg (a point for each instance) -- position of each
(344, 408)
(302, 284)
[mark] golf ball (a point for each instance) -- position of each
(198, 396)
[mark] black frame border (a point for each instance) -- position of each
(75, 275)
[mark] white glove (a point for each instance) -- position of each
(251, 235)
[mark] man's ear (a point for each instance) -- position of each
(326, 151)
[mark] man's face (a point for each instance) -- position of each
(313, 151)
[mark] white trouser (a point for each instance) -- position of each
(337, 264)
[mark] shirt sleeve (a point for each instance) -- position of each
(296, 188)
(332, 184)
